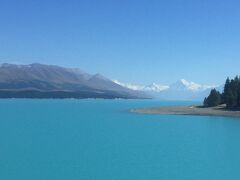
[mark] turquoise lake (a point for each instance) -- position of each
(101, 140)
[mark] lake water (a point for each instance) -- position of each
(101, 140)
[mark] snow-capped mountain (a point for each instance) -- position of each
(180, 90)
(152, 87)
(155, 87)
(184, 85)
(135, 87)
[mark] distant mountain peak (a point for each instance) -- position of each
(152, 87)
(155, 87)
(180, 90)
(183, 84)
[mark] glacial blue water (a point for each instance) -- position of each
(101, 140)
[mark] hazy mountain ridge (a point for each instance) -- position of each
(180, 90)
(39, 79)
(151, 87)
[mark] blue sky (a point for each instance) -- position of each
(139, 41)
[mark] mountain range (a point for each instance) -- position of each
(50, 81)
(180, 90)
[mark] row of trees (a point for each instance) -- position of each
(230, 95)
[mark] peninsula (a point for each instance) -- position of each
(216, 104)
(190, 110)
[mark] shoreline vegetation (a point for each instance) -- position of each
(220, 110)
(230, 95)
(37, 94)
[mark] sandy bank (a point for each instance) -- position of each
(189, 110)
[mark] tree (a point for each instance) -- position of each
(214, 99)
(226, 90)
(205, 102)
(230, 95)
(230, 100)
